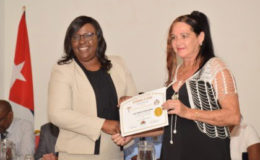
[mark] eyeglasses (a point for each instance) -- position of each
(86, 37)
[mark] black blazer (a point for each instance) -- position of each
(48, 137)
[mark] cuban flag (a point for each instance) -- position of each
(21, 89)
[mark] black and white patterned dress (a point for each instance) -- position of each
(198, 140)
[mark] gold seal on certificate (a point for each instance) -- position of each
(143, 112)
(158, 111)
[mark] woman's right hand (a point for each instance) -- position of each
(121, 141)
(176, 107)
(111, 127)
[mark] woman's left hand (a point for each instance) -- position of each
(121, 141)
(175, 107)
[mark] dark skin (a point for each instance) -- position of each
(85, 51)
(6, 118)
(253, 150)
(6, 115)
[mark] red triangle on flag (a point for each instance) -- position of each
(21, 91)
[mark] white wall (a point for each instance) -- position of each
(2, 48)
(137, 31)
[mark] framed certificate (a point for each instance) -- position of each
(143, 112)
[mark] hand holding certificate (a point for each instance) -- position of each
(143, 112)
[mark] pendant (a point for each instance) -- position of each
(175, 96)
(171, 141)
(174, 131)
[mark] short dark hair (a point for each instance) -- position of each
(198, 22)
(75, 25)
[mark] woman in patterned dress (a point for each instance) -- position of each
(202, 99)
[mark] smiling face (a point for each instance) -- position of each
(84, 44)
(185, 42)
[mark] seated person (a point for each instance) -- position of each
(46, 147)
(130, 153)
(244, 142)
(18, 131)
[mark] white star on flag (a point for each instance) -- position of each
(17, 73)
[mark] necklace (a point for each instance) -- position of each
(175, 96)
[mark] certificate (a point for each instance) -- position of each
(143, 112)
